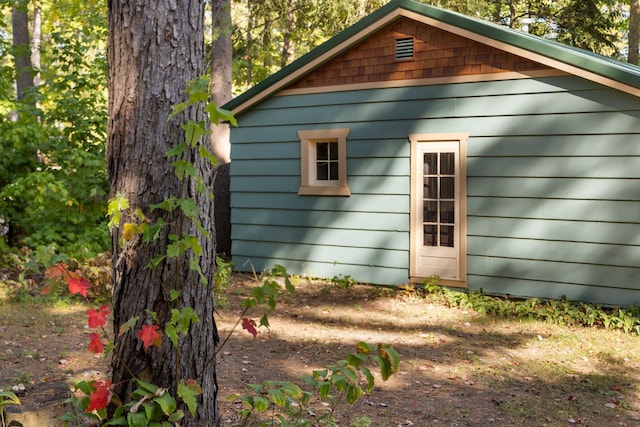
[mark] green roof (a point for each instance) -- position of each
(591, 63)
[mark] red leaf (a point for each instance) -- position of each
(100, 397)
(95, 345)
(56, 271)
(96, 318)
(78, 285)
(250, 326)
(149, 335)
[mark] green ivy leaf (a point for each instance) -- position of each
(178, 150)
(183, 319)
(176, 416)
(138, 419)
(172, 333)
(184, 169)
(264, 320)
(194, 131)
(115, 207)
(218, 115)
(167, 403)
(188, 395)
(205, 153)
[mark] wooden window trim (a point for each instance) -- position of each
(308, 184)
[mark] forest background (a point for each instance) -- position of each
(53, 95)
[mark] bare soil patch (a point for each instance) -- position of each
(458, 368)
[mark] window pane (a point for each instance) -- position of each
(430, 235)
(430, 163)
(431, 188)
(447, 164)
(333, 150)
(430, 211)
(322, 151)
(446, 236)
(322, 171)
(446, 212)
(333, 171)
(446, 187)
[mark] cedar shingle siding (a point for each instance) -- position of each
(437, 54)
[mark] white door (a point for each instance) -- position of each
(437, 189)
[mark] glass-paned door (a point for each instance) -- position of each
(437, 209)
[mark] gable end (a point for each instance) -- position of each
(437, 53)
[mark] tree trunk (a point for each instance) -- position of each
(22, 48)
(154, 49)
(289, 28)
(634, 31)
(36, 36)
(221, 65)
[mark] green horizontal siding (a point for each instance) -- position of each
(572, 231)
(544, 289)
(554, 271)
(354, 203)
(382, 128)
(365, 257)
(553, 185)
(357, 184)
(398, 222)
(562, 209)
(556, 167)
(601, 255)
(323, 236)
(460, 90)
(529, 104)
(555, 188)
(313, 269)
(554, 145)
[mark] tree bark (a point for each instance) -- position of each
(22, 48)
(36, 36)
(634, 31)
(221, 66)
(154, 49)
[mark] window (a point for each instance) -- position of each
(324, 162)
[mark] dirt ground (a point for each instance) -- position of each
(458, 368)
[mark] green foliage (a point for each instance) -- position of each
(53, 180)
(560, 311)
(289, 404)
(6, 398)
(150, 405)
(222, 278)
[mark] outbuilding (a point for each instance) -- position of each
(420, 142)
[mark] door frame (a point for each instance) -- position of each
(416, 228)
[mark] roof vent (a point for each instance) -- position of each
(404, 48)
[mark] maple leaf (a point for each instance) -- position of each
(95, 345)
(250, 326)
(100, 397)
(96, 318)
(149, 335)
(56, 271)
(78, 285)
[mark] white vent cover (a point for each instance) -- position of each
(404, 48)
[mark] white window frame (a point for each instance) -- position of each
(309, 184)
